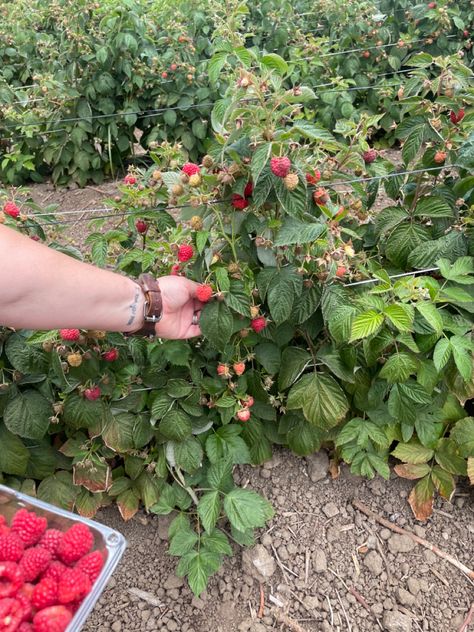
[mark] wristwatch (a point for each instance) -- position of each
(153, 308)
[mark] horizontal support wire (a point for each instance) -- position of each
(393, 276)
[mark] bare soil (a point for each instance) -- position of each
(335, 569)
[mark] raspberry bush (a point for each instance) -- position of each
(276, 221)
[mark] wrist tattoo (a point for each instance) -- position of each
(134, 306)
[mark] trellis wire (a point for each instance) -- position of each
(393, 276)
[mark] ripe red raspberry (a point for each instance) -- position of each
(52, 619)
(457, 118)
(175, 269)
(111, 355)
(243, 415)
(91, 564)
(313, 179)
(45, 594)
(24, 597)
(11, 547)
(369, 156)
(258, 324)
(10, 208)
(34, 562)
(248, 189)
(280, 166)
(440, 157)
(190, 169)
(320, 197)
(55, 570)
(185, 253)
(51, 540)
(239, 202)
(11, 579)
(141, 226)
(239, 368)
(248, 402)
(73, 585)
(341, 271)
(25, 627)
(70, 334)
(77, 542)
(92, 393)
(204, 293)
(11, 614)
(130, 180)
(29, 526)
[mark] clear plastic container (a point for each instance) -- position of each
(111, 543)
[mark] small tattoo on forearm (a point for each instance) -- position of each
(134, 306)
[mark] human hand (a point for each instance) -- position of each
(180, 305)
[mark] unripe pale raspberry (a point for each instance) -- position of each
(74, 359)
(244, 414)
(207, 161)
(156, 175)
(280, 166)
(177, 189)
(291, 181)
(196, 222)
(239, 368)
(195, 180)
(440, 157)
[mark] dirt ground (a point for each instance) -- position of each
(329, 567)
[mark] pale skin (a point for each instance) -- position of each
(41, 288)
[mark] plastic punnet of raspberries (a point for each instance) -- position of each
(11, 209)
(70, 334)
(258, 324)
(11, 547)
(29, 526)
(291, 181)
(190, 169)
(11, 579)
(204, 293)
(52, 619)
(74, 585)
(34, 562)
(76, 542)
(91, 564)
(280, 166)
(369, 156)
(185, 253)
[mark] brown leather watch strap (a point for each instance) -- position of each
(153, 309)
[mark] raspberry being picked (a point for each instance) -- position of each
(280, 166)
(52, 619)
(185, 253)
(77, 542)
(204, 293)
(29, 526)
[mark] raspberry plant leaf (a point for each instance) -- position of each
(246, 510)
(27, 415)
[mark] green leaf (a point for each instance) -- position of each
(442, 353)
(403, 240)
(268, 354)
(182, 541)
(294, 231)
(215, 65)
(463, 434)
(188, 454)
(413, 452)
(275, 62)
(399, 367)
(412, 144)
(166, 502)
(303, 438)
(431, 315)
(59, 490)
(260, 159)
(282, 291)
(463, 358)
(461, 271)
(27, 415)
(238, 298)
(389, 218)
(324, 404)
(209, 509)
(447, 455)
(294, 202)
(216, 323)
(246, 509)
(434, 207)
(161, 405)
(219, 475)
(444, 482)
(176, 425)
(401, 316)
(293, 362)
(366, 324)
(200, 568)
(14, 455)
(406, 399)
(307, 304)
(216, 541)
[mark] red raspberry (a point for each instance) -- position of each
(320, 197)
(457, 118)
(11, 579)
(11, 615)
(175, 269)
(239, 202)
(51, 540)
(24, 597)
(76, 542)
(92, 393)
(243, 415)
(10, 208)
(248, 401)
(440, 157)
(313, 179)
(70, 334)
(73, 585)
(185, 252)
(190, 169)
(258, 324)
(369, 156)
(239, 368)
(11, 547)
(91, 564)
(45, 594)
(52, 619)
(223, 370)
(248, 189)
(280, 166)
(204, 293)
(141, 226)
(130, 180)
(26, 627)
(55, 570)
(341, 271)
(34, 562)
(111, 355)
(29, 526)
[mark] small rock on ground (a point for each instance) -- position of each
(318, 465)
(394, 621)
(401, 544)
(258, 563)
(374, 563)
(320, 563)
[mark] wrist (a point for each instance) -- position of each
(135, 309)
(152, 305)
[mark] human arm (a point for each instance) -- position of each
(41, 288)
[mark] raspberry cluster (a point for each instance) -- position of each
(45, 573)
